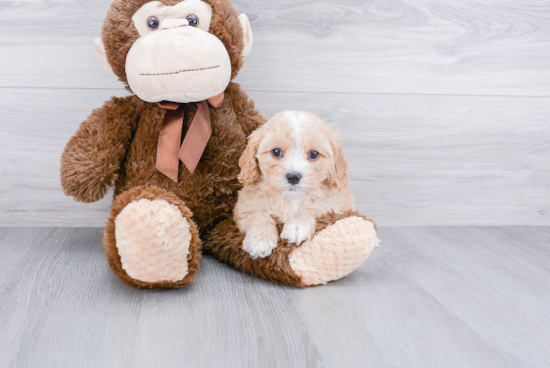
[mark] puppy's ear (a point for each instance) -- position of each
(250, 171)
(338, 176)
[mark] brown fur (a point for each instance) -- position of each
(91, 160)
(117, 146)
(225, 242)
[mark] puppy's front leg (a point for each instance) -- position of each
(261, 235)
(300, 228)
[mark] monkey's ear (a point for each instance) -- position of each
(101, 55)
(247, 34)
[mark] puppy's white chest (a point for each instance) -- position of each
(294, 208)
(288, 208)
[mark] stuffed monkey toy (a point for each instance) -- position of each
(171, 150)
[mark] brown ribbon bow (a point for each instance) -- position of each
(169, 151)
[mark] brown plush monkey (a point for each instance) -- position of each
(171, 151)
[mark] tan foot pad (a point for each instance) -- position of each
(335, 251)
(153, 241)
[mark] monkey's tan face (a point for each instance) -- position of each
(176, 58)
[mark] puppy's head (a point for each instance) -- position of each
(294, 152)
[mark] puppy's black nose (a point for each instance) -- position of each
(293, 178)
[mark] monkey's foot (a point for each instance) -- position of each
(342, 242)
(150, 240)
(334, 252)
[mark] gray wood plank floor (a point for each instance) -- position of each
(429, 297)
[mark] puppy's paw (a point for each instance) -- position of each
(298, 231)
(260, 245)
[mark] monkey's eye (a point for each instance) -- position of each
(277, 152)
(313, 155)
(153, 23)
(193, 20)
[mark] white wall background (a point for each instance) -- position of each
(444, 105)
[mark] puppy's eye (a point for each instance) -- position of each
(313, 155)
(277, 152)
(193, 20)
(153, 23)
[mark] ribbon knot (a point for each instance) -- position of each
(169, 151)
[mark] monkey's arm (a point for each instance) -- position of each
(92, 157)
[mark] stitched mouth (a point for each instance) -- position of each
(182, 71)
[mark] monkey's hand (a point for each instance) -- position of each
(92, 157)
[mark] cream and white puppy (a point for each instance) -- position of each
(293, 170)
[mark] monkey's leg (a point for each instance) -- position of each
(150, 240)
(342, 242)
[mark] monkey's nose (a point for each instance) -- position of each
(174, 23)
(293, 178)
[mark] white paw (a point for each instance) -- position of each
(298, 232)
(260, 245)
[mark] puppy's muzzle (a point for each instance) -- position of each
(293, 178)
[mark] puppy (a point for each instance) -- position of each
(292, 171)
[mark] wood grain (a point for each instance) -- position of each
(443, 106)
(429, 297)
(414, 160)
(471, 47)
